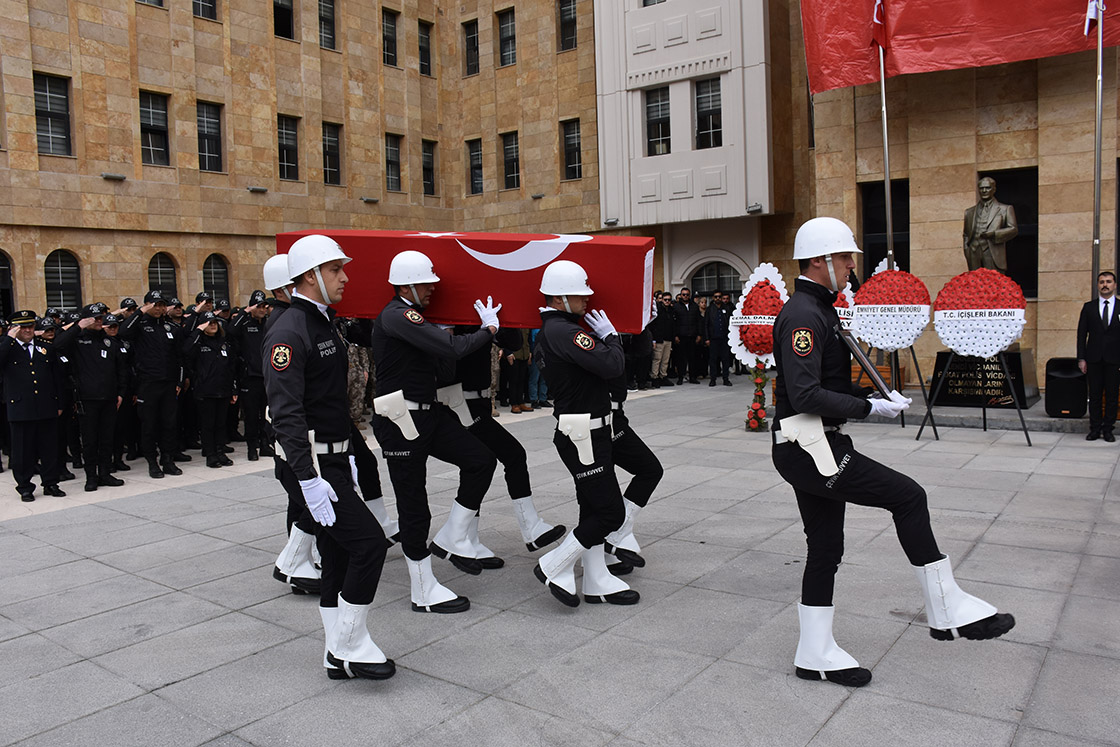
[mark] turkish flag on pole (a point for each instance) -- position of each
(928, 35)
(506, 266)
(879, 25)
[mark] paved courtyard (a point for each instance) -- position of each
(147, 615)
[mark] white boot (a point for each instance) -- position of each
(329, 616)
(428, 594)
(294, 565)
(535, 531)
(954, 613)
(818, 656)
(391, 528)
(599, 585)
(556, 569)
(621, 543)
(350, 651)
(482, 553)
(453, 543)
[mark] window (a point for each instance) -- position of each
(511, 160)
(873, 206)
(284, 19)
(52, 114)
(507, 38)
(287, 130)
(428, 157)
(332, 153)
(709, 117)
(215, 277)
(206, 9)
(393, 163)
(657, 122)
(470, 48)
(389, 37)
(7, 297)
(209, 137)
(161, 274)
(326, 24)
(425, 48)
(716, 276)
(570, 146)
(647, 3)
(156, 3)
(474, 166)
(64, 280)
(153, 129)
(566, 10)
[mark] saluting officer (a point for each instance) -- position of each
(126, 436)
(45, 329)
(305, 379)
(814, 398)
(209, 356)
(31, 379)
(248, 332)
(578, 368)
(411, 424)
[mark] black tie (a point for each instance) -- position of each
(1104, 317)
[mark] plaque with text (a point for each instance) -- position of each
(979, 382)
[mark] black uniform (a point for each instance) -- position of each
(305, 380)
(578, 367)
(409, 352)
(249, 336)
(814, 377)
(689, 325)
(630, 452)
(158, 366)
(31, 383)
(211, 362)
(126, 435)
(717, 323)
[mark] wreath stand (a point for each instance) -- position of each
(896, 374)
(983, 408)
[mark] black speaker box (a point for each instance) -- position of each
(1067, 394)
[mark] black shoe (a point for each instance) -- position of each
(981, 630)
(450, 607)
(120, 466)
(571, 600)
(252, 455)
(132, 456)
(300, 586)
(192, 445)
(621, 568)
(26, 497)
(267, 451)
(489, 564)
(854, 677)
(65, 475)
(154, 470)
(345, 670)
(727, 382)
(680, 381)
(180, 457)
(625, 597)
(91, 485)
(629, 556)
(545, 403)
(1093, 436)
(631, 387)
(212, 461)
(169, 468)
(667, 382)
(710, 383)
(656, 383)
(224, 460)
(226, 449)
(547, 538)
(54, 490)
(236, 436)
(108, 481)
(466, 565)
(692, 381)
(1107, 436)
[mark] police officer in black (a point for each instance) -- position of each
(248, 332)
(814, 398)
(102, 376)
(45, 329)
(126, 438)
(305, 380)
(158, 363)
(209, 356)
(31, 378)
(717, 323)
(578, 367)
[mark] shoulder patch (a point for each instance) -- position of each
(281, 356)
(584, 341)
(802, 341)
(414, 316)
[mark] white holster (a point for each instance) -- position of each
(808, 432)
(394, 407)
(577, 427)
(452, 396)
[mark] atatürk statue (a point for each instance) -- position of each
(988, 226)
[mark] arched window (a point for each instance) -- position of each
(7, 296)
(64, 280)
(215, 277)
(716, 276)
(161, 274)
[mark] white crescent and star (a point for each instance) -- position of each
(534, 254)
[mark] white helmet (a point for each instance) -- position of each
(276, 273)
(564, 278)
(819, 237)
(411, 267)
(309, 252)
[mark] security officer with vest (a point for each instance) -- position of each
(814, 398)
(411, 424)
(578, 367)
(101, 373)
(31, 379)
(305, 380)
(248, 333)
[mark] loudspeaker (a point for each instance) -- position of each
(1067, 393)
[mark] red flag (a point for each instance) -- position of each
(879, 25)
(1092, 15)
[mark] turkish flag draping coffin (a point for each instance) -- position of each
(506, 266)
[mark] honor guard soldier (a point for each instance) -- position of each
(305, 379)
(248, 331)
(814, 398)
(31, 378)
(411, 424)
(158, 364)
(102, 375)
(578, 368)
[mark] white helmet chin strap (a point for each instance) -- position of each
(415, 297)
(322, 287)
(567, 308)
(831, 273)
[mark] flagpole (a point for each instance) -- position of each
(1097, 155)
(887, 153)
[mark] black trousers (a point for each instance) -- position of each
(503, 445)
(821, 501)
(297, 513)
(252, 409)
(597, 492)
(631, 454)
(187, 419)
(157, 407)
(69, 443)
(369, 480)
(34, 442)
(212, 423)
(518, 382)
(685, 353)
(719, 360)
(98, 418)
(353, 549)
(127, 429)
(1104, 381)
(441, 436)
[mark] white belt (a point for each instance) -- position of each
(827, 429)
(616, 406)
(419, 405)
(331, 447)
(476, 394)
(603, 422)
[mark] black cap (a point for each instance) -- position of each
(256, 297)
(52, 311)
(128, 303)
(72, 316)
(154, 296)
(23, 318)
(203, 296)
(45, 323)
(110, 319)
(174, 302)
(222, 304)
(93, 310)
(209, 316)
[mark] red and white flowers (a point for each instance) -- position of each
(980, 313)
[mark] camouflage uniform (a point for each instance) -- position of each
(356, 380)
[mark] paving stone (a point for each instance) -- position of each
(727, 530)
(494, 721)
(1041, 534)
(1097, 577)
(1076, 695)
(141, 722)
(55, 579)
(1087, 627)
(159, 553)
(200, 569)
(757, 574)
(1020, 566)
(29, 656)
(34, 558)
(50, 610)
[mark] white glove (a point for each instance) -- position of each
(599, 323)
(488, 312)
(354, 472)
(890, 408)
(319, 495)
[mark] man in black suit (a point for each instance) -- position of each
(1098, 356)
(31, 380)
(689, 334)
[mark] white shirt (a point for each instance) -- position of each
(322, 307)
(1101, 301)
